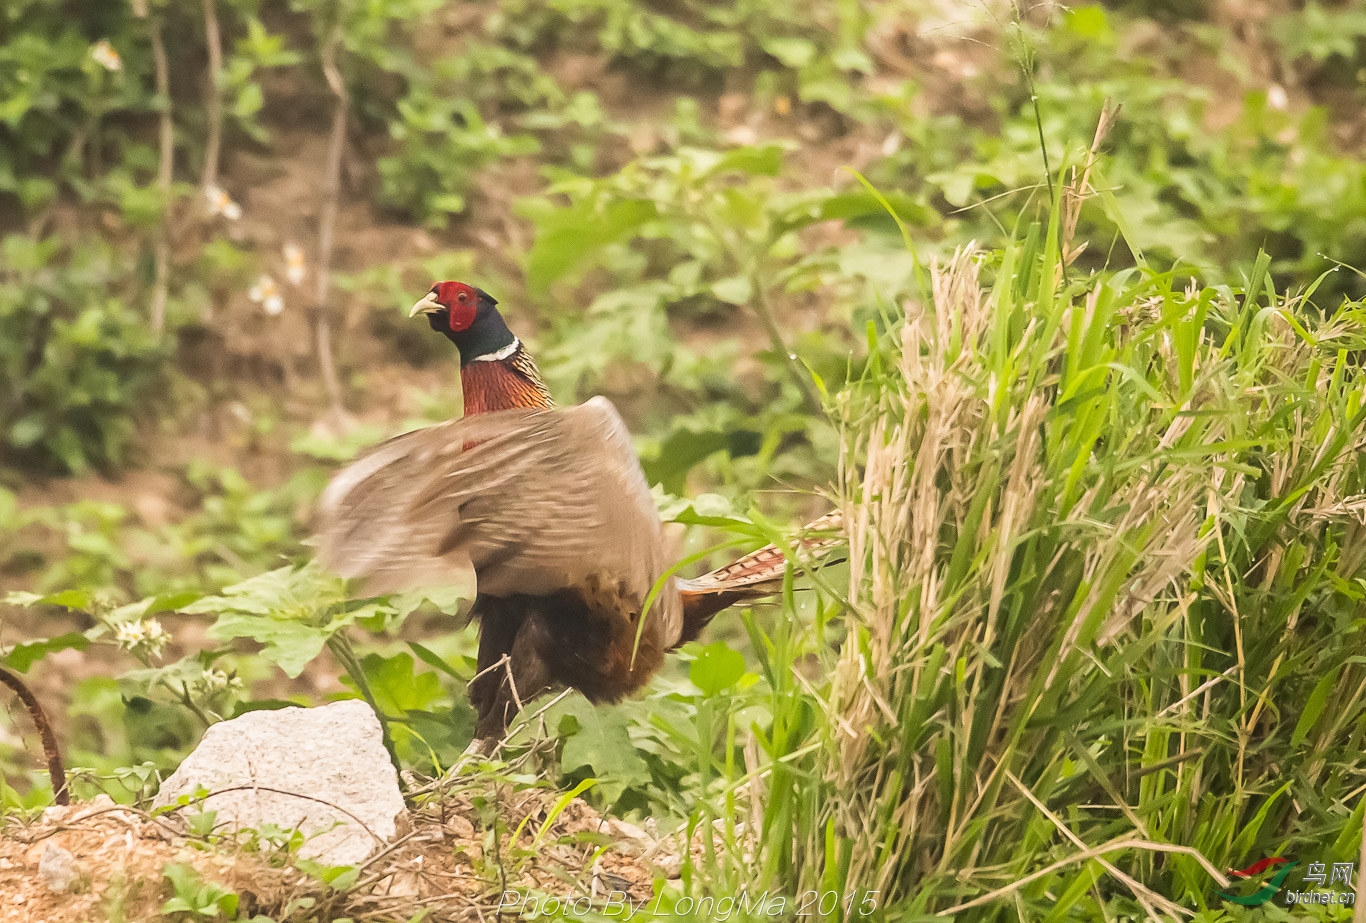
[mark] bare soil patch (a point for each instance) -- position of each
(454, 861)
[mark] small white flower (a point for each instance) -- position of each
(220, 203)
(103, 54)
(144, 634)
(1276, 98)
(215, 680)
(294, 264)
(241, 412)
(267, 294)
(742, 135)
(129, 634)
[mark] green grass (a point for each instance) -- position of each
(1099, 641)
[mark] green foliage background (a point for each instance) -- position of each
(724, 217)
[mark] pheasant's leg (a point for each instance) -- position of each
(499, 623)
(508, 629)
(529, 675)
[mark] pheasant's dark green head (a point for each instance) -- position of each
(468, 317)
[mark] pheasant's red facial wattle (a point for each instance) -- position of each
(496, 372)
(462, 301)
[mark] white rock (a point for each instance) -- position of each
(57, 868)
(55, 813)
(323, 770)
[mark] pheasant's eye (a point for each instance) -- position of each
(463, 296)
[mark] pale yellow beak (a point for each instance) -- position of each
(428, 305)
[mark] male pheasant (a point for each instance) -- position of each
(550, 509)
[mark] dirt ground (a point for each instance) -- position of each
(97, 861)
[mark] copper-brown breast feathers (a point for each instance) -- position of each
(502, 384)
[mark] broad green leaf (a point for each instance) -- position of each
(434, 660)
(567, 237)
(733, 290)
(758, 160)
(716, 668)
(397, 687)
(27, 653)
(290, 645)
(791, 52)
(69, 599)
(684, 449)
(597, 739)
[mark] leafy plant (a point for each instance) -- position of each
(256, 51)
(698, 36)
(695, 235)
(1322, 32)
(196, 897)
(443, 142)
(236, 530)
(76, 367)
(58, 98)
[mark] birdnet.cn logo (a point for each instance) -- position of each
(1316, 883)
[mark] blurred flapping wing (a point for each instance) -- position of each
(536, 500)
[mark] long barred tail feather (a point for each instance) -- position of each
(757, 574)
